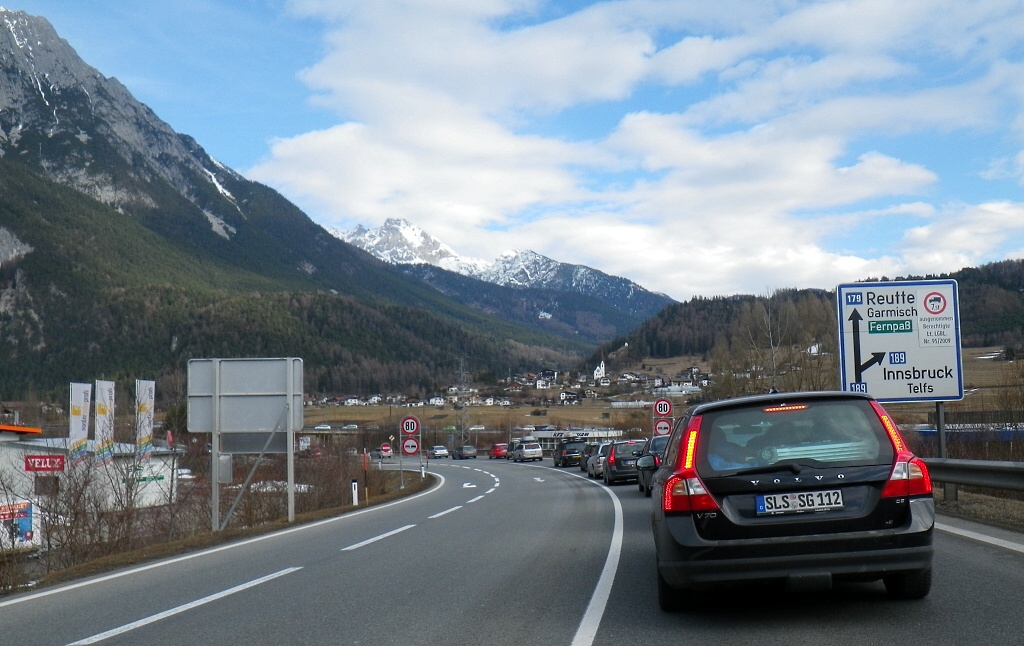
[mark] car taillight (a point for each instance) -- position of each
(611, 458)
(684, 490)
(909, 476)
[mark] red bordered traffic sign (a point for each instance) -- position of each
(410, 425)
(663, 408)
(662, 426)
(410, 446)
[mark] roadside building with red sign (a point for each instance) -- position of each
(33, 469)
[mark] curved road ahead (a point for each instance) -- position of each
(502, 553)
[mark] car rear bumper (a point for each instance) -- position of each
(618, 475)
(685, 560)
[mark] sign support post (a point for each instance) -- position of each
(249, 406)
(410, 440)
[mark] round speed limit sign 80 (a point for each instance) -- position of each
(663, 408)
(410, 425)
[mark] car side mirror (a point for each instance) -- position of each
(647, 462)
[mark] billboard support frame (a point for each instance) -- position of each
(244, 397)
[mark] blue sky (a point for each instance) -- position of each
(698, 148)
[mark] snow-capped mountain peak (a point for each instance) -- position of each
(398, 241)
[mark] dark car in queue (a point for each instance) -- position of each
(511, 448)
(620, 463)
(804, 489)
(648, 462)
(568, 452)
(464, 452)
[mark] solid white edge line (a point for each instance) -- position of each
(991, 540)
(214, 550)
(182, 608)
(446, 511)
(587, 631)
(376, 538)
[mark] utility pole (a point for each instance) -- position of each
(464, 410)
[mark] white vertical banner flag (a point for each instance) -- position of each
(145, 400)
(104, 421)
(78, 432)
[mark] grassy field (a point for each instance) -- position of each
(984, 377)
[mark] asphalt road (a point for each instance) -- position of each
(503, 553)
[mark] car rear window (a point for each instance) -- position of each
(657, 444)
(816, 433)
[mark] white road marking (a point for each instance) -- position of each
(188, 606)
(446, 511)
(376, 538)
(475, 499)
(214, 550)
(587, 631)
(991, 540)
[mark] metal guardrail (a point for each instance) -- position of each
(978, 473)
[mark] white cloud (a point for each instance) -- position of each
(962, 235)
(724, 146)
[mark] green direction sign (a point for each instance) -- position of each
(900, 341)
(890, 327)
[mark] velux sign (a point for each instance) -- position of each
(48, 463)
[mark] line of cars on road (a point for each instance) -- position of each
(526, 449)
(800, 490)
(464, 452)
(613, 462)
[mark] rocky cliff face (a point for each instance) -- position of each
(86, 131)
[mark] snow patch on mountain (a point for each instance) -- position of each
(398, 241)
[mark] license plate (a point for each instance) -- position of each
(791, 503)
(629, 463)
